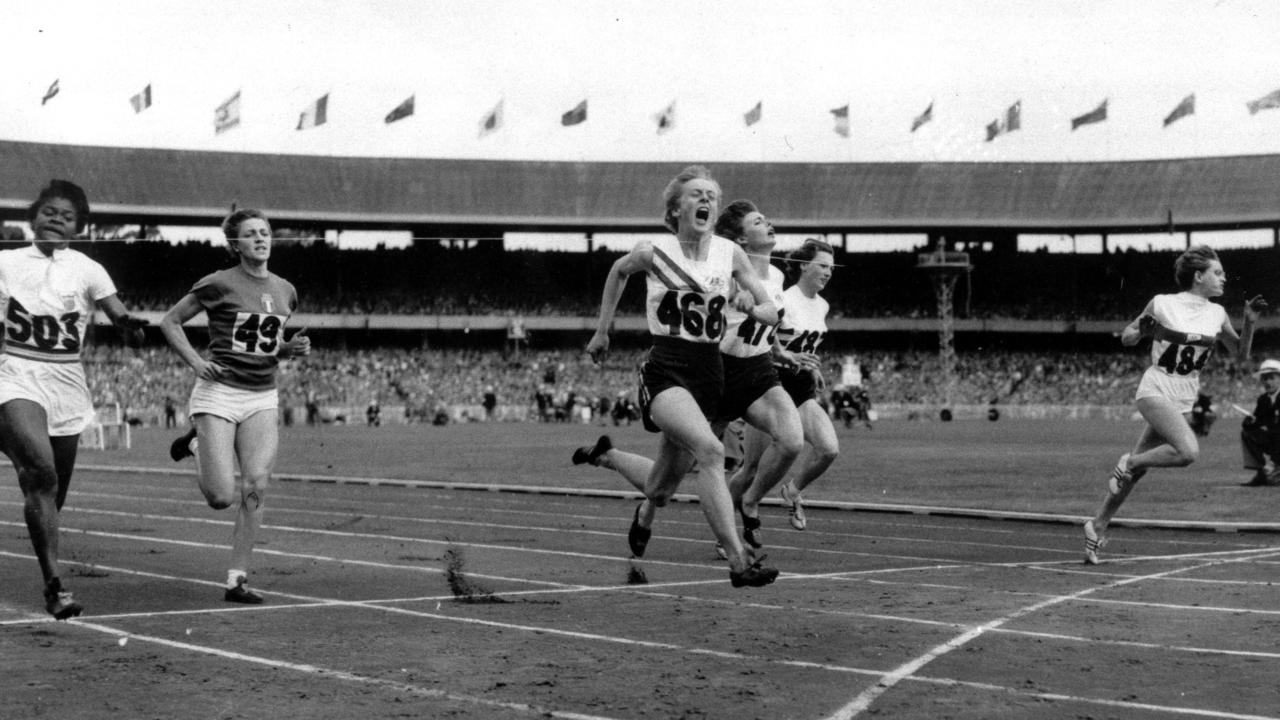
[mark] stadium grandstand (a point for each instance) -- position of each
(442, 307)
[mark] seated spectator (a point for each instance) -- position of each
(1260, 432)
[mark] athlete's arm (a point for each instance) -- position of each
(1142, 326)
(119, 316)
(1242, 344)
(640, 259)
(764, 311)
(171, 325)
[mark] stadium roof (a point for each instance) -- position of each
(485, 197)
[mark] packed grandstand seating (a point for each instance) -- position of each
(424, 380)
(428, 278)
(432, 279)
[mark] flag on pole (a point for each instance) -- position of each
(922, 118)
(1266, 102)
(1095, 115)
(841, 115)
(1013, 117)
(753, 115)
(48, 94)
(227, 115)
(142, 100)
(1011, 121)
(317, 113)
(1184, 108)
(576, 116)
(492, 120)
(666, 119)
(401, 111)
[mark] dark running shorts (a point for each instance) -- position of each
(696, 367)
(800, 385)
(745, 381)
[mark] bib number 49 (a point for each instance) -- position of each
(256, 333)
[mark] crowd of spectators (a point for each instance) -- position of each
(562, 384)
(433, 279)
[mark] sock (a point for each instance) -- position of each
(194, 445)
(235, 577)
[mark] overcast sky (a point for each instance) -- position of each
(888, 60)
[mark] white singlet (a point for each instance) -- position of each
(805, 324)
(744, 336)
(685, 298)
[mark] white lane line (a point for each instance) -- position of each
(863, 701)
(343, 675)
(896, 508)
(381, 605)
(733, 657)
(276, 509)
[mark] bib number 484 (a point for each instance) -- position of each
(1181, 359)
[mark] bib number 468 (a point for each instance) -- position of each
(692, 314)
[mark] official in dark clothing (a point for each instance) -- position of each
(1260, 434)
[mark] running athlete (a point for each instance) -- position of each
(799, 334)
(751, 387)
(234, 403)
(1184, 329)
(48, 293)
(682, 381)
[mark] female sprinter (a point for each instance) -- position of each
(751, 387)
(799, 334)
(48, 292)
(234, 403)
(688, 283)
(1184, 328)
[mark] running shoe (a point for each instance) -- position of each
(242, 594)
(180, 449)
(1122, 478)
(1093, 542)
(638, 537)
(756, 575)
(60, 604)
(585, 455)
(796, 511)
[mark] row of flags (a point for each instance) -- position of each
(227, 115)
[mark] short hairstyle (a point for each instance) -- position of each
(729, 224)
(68, 191)
(807, 251)
(671, 195)
(231, 226)
(1197, 258)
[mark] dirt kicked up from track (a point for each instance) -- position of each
(877, 614)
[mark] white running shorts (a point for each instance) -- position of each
(236, 405)
(59, 388)
(1179, 390)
